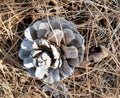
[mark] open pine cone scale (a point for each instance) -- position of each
(51, 49)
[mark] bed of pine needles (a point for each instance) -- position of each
(97, 20)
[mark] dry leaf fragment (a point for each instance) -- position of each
(99, 55)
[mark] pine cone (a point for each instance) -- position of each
(51, 49)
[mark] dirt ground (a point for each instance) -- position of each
(97, 20)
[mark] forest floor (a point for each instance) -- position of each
(97, 20)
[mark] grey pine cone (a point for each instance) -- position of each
(51, 49)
